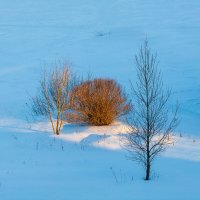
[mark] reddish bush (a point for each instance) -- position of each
(97, 102)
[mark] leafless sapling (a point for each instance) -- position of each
(152, 122)
(52, 99)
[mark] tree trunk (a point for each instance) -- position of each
(57, 129)
(147, 172)
(148, 163)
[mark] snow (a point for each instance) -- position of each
(100, 37)
(88, 163)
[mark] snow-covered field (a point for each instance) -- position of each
(99, 37)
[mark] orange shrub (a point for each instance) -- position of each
(97, 102)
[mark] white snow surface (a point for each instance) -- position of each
(89, 163)
(98, 37)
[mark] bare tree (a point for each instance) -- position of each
(52, 99)
(151, 123)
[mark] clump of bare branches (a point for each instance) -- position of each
(98, 102)
(151, 122)
(52, 99)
